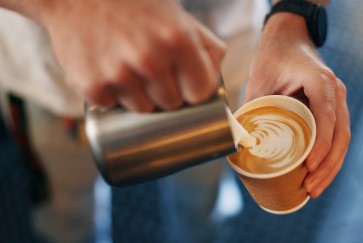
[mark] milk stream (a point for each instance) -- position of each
(239, 133)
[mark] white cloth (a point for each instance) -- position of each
(67, 163)
(28, 68)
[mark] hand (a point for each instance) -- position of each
(288, 64)
(142, 54)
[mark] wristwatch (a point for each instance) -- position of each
(314, 14)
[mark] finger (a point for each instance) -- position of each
(332, 163)
(254, 89)
(99, 94)
(86, 79)
(132, 95)
(195, 71)
(215, 47)
(164, 91)
(127, 87)
(318, 189)
(326, 168)
(322, 105)
(158, 75)
(92, 90)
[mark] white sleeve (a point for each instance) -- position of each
(28, 68)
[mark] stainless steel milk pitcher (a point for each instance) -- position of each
(132, 148)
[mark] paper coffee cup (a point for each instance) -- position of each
(282, 191)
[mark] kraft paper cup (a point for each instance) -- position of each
(280, 192)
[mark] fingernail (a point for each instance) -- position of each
(318, 192)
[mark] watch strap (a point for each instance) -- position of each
(313, 13)
(298, 7)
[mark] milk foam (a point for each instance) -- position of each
(281, 139)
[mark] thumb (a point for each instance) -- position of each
(256, 88)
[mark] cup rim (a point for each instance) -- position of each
(303, 156)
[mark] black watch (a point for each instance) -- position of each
(314, 14)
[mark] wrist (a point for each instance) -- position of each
(286, 26)
(314, 14)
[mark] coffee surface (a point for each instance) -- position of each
(281, 139)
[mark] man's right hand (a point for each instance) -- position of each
(143, 54)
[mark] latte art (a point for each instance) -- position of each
(281, 139)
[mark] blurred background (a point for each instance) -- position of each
(50, 190)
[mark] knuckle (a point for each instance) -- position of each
(328, 95)
(329, 84)
(329, 113)
(342, 89)
(118, 77)
(328, 75)
(200, 93)
(177, 38)
(168, 100)
(147, 64)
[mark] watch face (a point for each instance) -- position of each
(322, 25)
